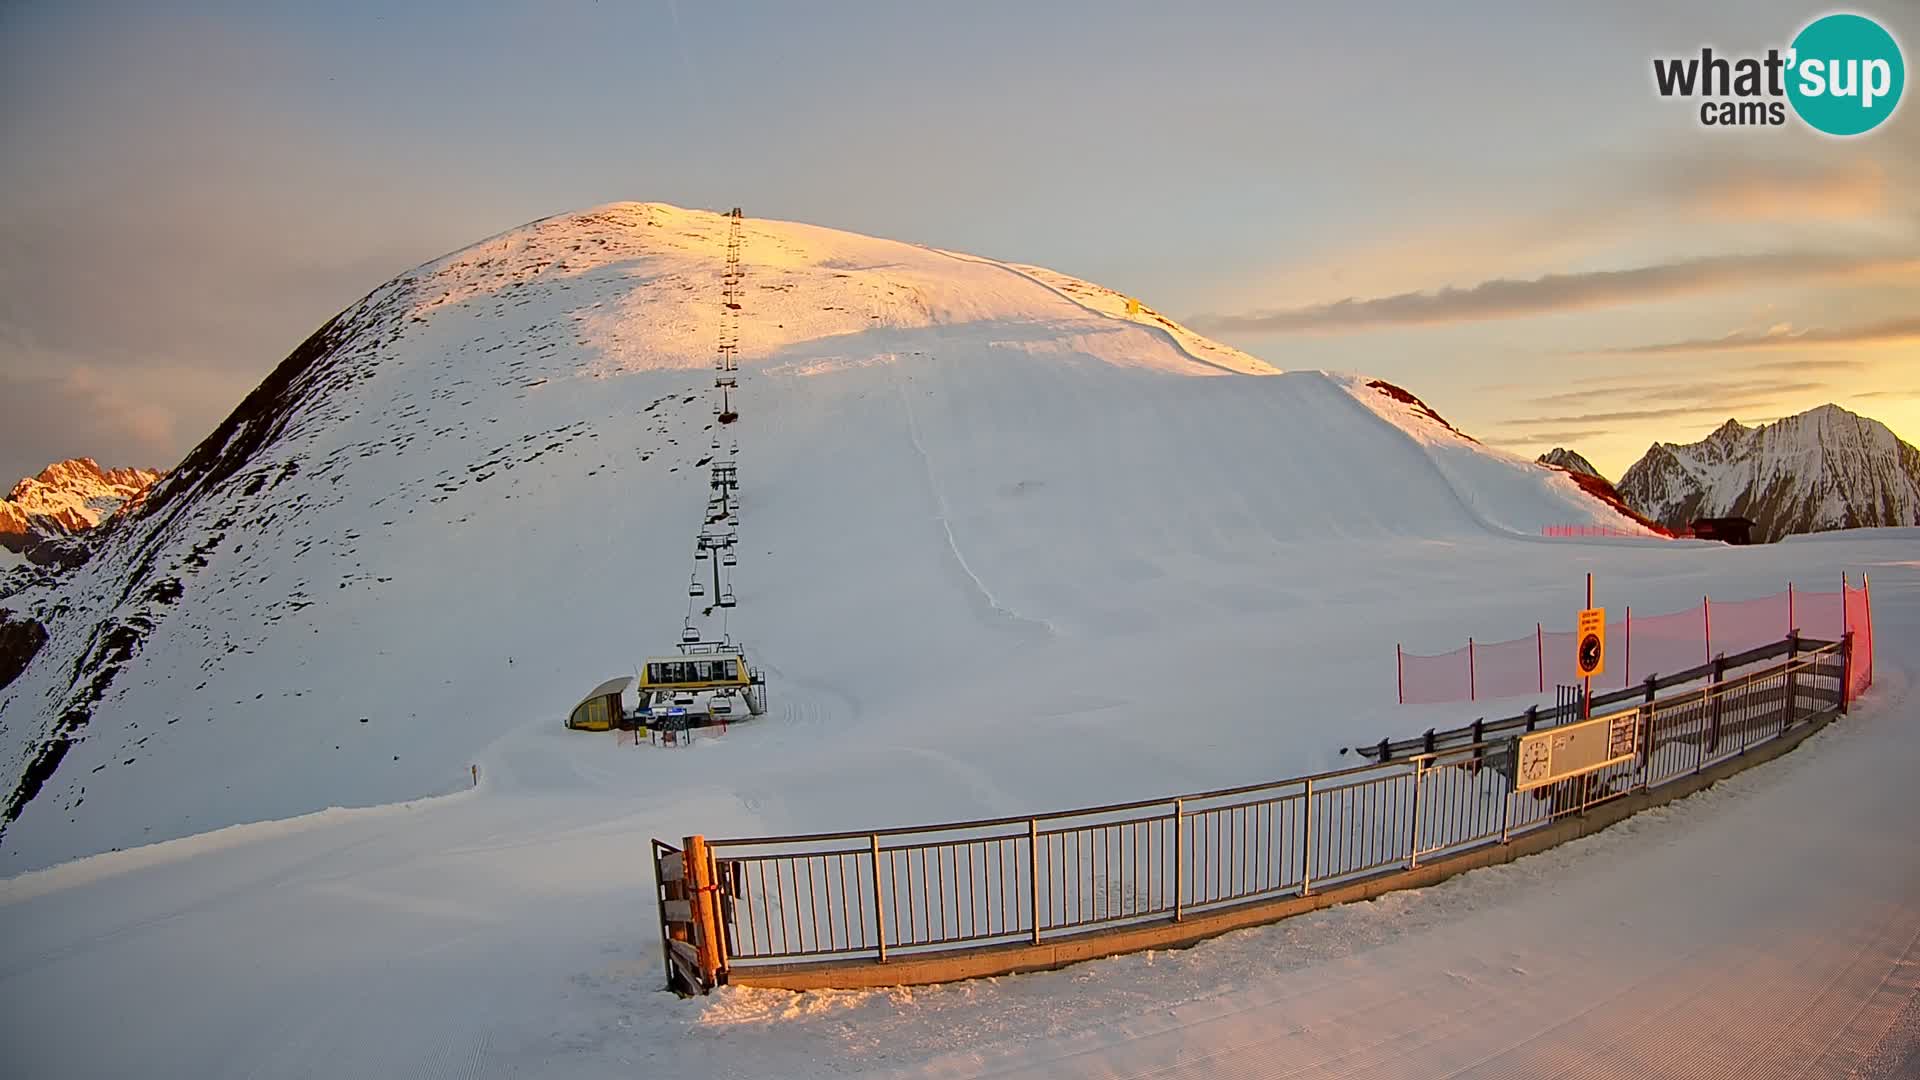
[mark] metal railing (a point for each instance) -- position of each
(871, 896)
(1480, 730)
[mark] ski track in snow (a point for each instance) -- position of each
(945, 517)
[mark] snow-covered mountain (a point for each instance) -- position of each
(1568, 460)
(1826, 468)
(473, 495)
(41, 515)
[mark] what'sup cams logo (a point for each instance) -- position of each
(1843, 75)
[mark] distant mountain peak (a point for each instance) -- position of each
(42, 513)
(1568, 460)
(1826, 468)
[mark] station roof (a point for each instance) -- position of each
(611, 686)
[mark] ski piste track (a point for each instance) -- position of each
(1219, 559)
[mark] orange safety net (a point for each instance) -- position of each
(1638, 646)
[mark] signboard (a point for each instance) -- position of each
(1590, 643)
(1556, 754)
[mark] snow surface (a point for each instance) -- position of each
(1767, 927)
(981, 504)
(1002, 553)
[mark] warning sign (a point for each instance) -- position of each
(1590, 643)
(1570, 750)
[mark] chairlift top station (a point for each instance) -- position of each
(698, 686)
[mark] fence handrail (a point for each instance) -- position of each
(1789, 644)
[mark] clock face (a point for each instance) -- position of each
(1535, 759)
(1589, 654)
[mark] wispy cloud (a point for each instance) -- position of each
(1506, 298)
(1619, 415)
(1562, 437)
(1783, 336)
(1717, 393)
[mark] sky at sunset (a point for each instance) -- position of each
(1493, 209)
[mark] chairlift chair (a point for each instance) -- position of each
(688, 635)
(729, 559)
(700, 553)
(696, 589)
(726, 598)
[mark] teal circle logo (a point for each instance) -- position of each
(1845, 74)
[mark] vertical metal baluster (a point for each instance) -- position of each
(813, 908)
(879, 919)
(893, 887)
(1033, 873)
(1413, 841)
(1179, 844)
(1306, 839)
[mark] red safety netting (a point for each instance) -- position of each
(1637, 646)
(1430, 680)
(1507, 668)
(1821, 615)
(1859, 612)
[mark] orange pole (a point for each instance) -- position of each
(706, 914)
(1866, 586)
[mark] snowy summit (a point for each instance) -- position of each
(473, 495)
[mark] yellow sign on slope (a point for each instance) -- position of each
(1590, 643)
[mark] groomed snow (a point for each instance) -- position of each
(981, 504)
(1002, 553)
(1765, 926)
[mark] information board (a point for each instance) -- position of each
(1556, 754)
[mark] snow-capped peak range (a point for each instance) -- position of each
(67, 497)
(473, 494)
(1826, 468)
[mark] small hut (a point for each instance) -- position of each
(1731, 530)
(601, 710)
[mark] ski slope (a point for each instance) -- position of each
(975, 494)
(1004, 550)
(1765, 928)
